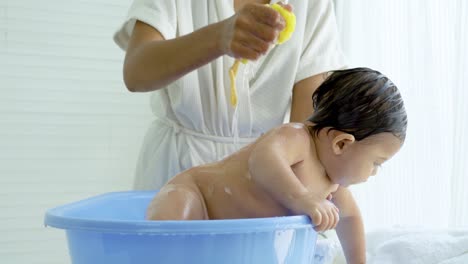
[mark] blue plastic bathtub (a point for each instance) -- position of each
(111, 228)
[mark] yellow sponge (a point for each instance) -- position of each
(290, 19)
(284, 35)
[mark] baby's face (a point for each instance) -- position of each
(363, 159)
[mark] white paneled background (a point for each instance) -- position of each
(70, 130)
(68, 127)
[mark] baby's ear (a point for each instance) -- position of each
(341, 141)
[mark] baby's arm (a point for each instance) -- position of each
(270, 167)
(350, 228)
(270, 163)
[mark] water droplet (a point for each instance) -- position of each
(297, 125)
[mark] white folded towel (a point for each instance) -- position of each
(418, 246)
(326, 251)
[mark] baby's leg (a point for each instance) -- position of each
(178, 202)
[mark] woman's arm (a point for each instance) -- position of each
(301, 107)
(350, 228)
(151, 62)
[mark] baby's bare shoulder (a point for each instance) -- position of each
(292, 139)
(293, 132)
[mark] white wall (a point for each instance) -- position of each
(68, 127)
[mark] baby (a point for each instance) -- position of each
(359, 122)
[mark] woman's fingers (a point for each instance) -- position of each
(242, 51)
(264, 32)
(286, 6)
(266, 15)
(256, 27)
(255, 43)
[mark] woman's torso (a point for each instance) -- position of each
(200, 99)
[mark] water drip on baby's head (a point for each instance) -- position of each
(297, 125)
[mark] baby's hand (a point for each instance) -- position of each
(324, 215)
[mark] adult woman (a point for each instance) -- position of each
(183, 49)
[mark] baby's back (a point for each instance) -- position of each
(230, 191)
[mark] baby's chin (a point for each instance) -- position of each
(343, 182)
(345, 185)
(340, 181)
(355, 179)
(353, 183)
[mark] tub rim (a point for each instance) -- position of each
(57, 218)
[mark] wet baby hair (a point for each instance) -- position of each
(359, 101)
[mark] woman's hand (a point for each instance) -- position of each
(251, 31)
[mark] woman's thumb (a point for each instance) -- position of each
(286, 6)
